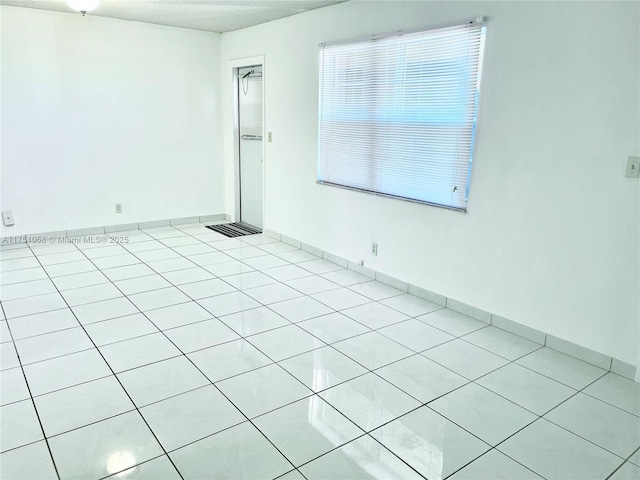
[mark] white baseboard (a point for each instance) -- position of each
(542, 338)
(79, 232)
(598, 359)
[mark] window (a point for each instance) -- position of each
(397, 114)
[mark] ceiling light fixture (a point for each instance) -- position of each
(83, 6)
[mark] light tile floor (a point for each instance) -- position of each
(175, 352)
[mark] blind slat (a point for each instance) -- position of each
(397, 114)
(251, 106)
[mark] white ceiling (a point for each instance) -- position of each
(209, 15)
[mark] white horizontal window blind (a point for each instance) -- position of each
(251, 106)
(397, 114)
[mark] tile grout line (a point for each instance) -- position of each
(489, 451)
(121, 386)
(420, 352)
(366, 372)
(414, 353)
(574, 394)
(302, 353)
(213, 384)
(203, 266)
(541, 417)
(351, 264)
(627, 460)
(371, 301)
(578, 392)
(276, 281)
(274, 363)
(267, 305)
(267, 356)
(471, 433)
(141, 262)
(33, 403)
(282, 282)
(381, 327)
(118, 474)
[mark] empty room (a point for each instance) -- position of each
(318, 239)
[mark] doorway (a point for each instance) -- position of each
(249, 128)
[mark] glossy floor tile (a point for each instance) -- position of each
(333, 327)
(502, 343)
(285, 342)
(107, 447)
(495, 466)
(13, 386)
(415, 335)
(159, 468)
(228, 360)
(530, 390)
(197, 336)
(262, 390)
(74, 407)
(119, 329)
(139, 351)
(618, 391)
(603, 424)
(555, 453)
(372, 350)
(369, 401)
(240, 452)
(27, 463)
(562, 368)
(421, 378)
(307, 429)
(323, 368)
(42, 323)
(360, 459)
(161, 380)
(434, 446)
(628, 471)
(179, 353)
(465, 359)
(301, 308)
(190, 416)
(19, 425)
(52, 345)
(483, 413)
(255, 320)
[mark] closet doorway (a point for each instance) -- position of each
(250, 148)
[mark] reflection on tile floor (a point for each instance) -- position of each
(175, 352)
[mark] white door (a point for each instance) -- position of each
(250, 153)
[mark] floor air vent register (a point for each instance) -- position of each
(237, 229)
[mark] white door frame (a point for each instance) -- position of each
(234, 65)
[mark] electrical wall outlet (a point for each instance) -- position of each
(361, 262)
(374, 248)
(118, 208)
(633, 167)
(7, 218)
(269, 137)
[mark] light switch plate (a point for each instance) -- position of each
(7, 218)
(633, 167)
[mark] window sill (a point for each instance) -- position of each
(396, 197)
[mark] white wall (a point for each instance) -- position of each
(97, 111)
(551, 236)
